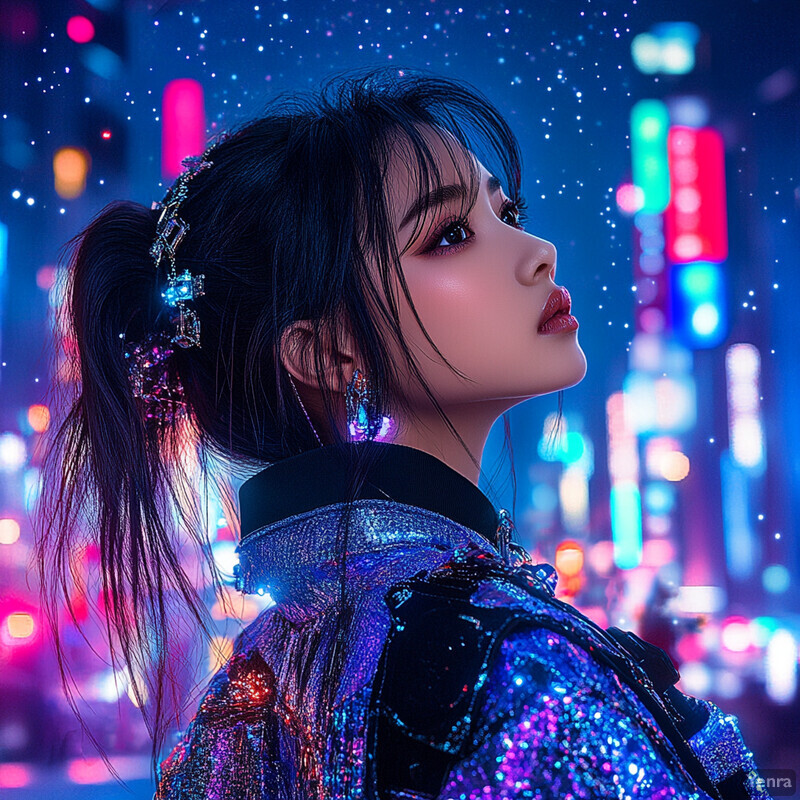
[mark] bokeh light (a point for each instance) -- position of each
(19, 625)
(9, 531)
(80, 29)
(70, 169)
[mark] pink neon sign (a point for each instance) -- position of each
(695, 221)
(183, 126)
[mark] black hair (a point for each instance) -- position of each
(290, 223)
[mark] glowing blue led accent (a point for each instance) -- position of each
(183, 288)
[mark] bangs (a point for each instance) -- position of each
(424, 166)
(390, 116)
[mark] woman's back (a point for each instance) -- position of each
(542, 717)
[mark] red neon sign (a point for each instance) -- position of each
(695, 221)
(183, 127)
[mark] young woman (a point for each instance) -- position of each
(370, 304)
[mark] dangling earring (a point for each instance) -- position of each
(364, 421)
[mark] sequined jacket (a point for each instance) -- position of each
(289, 717)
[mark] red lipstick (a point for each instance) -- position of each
(555, 316)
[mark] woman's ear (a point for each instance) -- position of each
(297, 344)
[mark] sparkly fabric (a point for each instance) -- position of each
(723, 752)
(554, 724)
(297, 562)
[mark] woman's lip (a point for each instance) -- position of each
(558, 302)
(559, 323)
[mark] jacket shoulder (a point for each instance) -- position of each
(233, 744)
(434, 663)
(449, 627)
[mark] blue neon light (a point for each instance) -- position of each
(626, 524)
(699, 304)
(740, 541)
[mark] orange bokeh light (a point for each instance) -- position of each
(569, 559)
(20, 625)
(675, 466)
(70, 168)
(39, 417)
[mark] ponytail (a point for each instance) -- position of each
(113, 478)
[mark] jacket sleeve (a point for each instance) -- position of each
(555, 724)
(724, 755)
(235, 747)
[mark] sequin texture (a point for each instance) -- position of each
(723, 752)
(554, 723)
(557, 725)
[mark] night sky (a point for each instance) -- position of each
(560, 71)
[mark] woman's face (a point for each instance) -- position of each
(480, 285)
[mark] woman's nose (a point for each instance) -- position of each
(540, 262)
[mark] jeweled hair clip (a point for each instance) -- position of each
(148, 373)
(150, 378)
(170, 232)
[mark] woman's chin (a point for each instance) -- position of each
(580, 371)
(569, 371)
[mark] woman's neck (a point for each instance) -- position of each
(473, 421)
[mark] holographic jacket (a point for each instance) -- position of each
(292, 715)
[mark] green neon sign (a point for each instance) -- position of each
(649, 128)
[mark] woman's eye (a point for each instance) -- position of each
(510, 214)
(453, 234)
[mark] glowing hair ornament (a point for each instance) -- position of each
(148, 368)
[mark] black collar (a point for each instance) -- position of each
(318, 478)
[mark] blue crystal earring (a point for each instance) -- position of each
(364, 421)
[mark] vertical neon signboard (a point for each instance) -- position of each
(183, 131)
(625, 499)
(649, 162)
(745, 426)
(695, 221)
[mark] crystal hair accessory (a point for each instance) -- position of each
(148, 371)
(170, 232)
(150, 378)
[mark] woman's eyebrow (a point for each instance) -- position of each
(442, 195)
